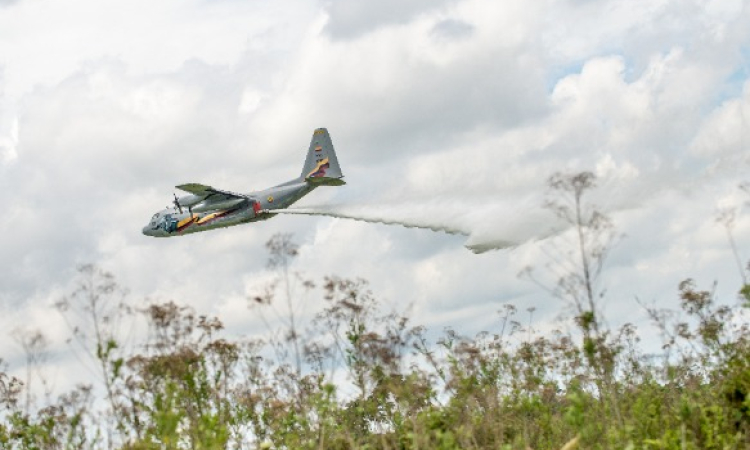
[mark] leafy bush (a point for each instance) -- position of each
(189, 387)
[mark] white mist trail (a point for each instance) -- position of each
(489, 225)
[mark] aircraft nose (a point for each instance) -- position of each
(146, 230)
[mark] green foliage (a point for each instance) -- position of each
(745, 293)
(187, 386)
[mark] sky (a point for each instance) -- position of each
(447, 114)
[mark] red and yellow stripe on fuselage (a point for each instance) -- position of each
(186, 222)
(208, 218)
(196, 219)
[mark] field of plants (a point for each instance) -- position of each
(356, 376)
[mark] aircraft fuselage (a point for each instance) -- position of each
(204, 216)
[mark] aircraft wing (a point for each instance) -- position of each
(207, 191)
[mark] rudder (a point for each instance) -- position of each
(321, 165)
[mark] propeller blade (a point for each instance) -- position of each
(177, 203)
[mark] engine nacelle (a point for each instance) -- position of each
(189, 200)
(215, 205)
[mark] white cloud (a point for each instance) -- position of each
(45, 41)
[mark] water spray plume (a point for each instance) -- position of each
(489, 225)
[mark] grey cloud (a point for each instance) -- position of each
(350, 19)
(98, 154)
(451, 29)
(419, 107)
(4, 3)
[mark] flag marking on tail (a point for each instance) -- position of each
(320, 169)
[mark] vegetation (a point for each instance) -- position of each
(356, 377)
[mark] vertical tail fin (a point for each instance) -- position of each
(322, 166)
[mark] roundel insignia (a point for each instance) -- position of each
(270, 199)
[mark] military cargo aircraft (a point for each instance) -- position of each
(207, 208)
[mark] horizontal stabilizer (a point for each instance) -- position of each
(325, 181)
